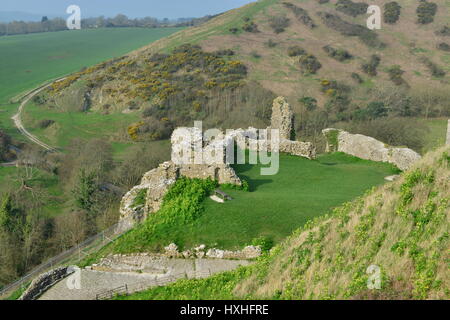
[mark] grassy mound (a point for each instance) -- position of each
(401, 227)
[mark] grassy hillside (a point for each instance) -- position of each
(401, 227)
(322, 58)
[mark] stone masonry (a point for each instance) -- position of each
(282, 118)
(368, 148)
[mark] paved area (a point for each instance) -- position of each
(164, 271)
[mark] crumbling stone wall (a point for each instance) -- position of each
(158, 181)
(43, 282)
(369, 148)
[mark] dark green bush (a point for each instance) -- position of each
(426, 12)
(295, 51)
(250, 26)
(309, 102)
(338, 54)
(444, 31)
(435, 70)
(392, 12)
(309, 64)
(279, 23)
(444, 46)
(351, 8)
(357, 77)
(45, 123)
(395, 74)
(371, 67)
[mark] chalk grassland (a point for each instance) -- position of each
(272, 209)
(402, 227)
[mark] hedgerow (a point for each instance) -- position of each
(338, 54)
(368, 37)
(301, 14)
(351, 8)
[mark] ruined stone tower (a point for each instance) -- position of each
(282, 118)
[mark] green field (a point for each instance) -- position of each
(273, 207)
(71, 125)
(26, 61)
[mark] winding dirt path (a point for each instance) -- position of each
(18, 121)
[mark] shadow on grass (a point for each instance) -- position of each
(253, 184)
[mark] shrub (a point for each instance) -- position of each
(395, 74)
(270, 43)
(233, 30)
(444, 46)
(435, 70)
(39, 99)
(225, 53)
(426, 12)
(279, 23)
(309, 103)
(391, 12)
(45, 123)
(338, 54)
(301, 14)
(264, 242)
(250, 26)
(295, 51)
(309, 64)
(371, 67)
(351, 8)
(444, 31)
(357, 78)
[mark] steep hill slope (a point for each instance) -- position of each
(319, 54)
(401, 229)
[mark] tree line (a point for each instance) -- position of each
(119, 21)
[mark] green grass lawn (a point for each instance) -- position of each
(273, 208)
(71, 125)
(277, 205)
